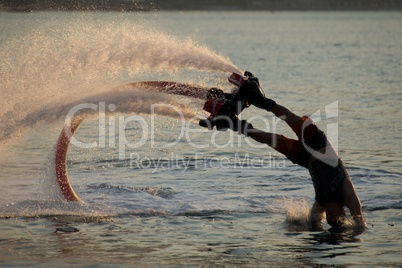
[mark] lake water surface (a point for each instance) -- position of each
(157, 190)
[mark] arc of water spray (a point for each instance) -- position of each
(63, 142)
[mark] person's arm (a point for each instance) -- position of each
(353, 203)
(316, 217)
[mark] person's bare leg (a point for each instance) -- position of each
(271, 139)
(285, 114)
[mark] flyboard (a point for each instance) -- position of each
(217, 103)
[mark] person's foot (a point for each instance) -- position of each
(252, 93)
(224, 122)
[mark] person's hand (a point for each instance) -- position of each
(360, 224)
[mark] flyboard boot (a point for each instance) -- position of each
(225, 107)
